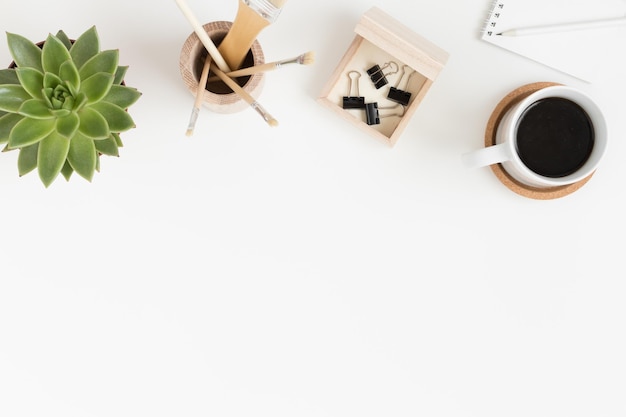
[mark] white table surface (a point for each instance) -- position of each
(308, 269)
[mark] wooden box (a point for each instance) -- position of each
(381, 40)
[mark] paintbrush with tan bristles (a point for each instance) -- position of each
(304, 59)
(245, 96)
(252, 17)
(195, 111)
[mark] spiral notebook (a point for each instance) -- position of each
(579, 53)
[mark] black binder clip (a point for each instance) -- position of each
(396, 94)
(350, 101)
(373, 116)
(378, 76)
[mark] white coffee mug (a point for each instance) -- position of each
(506, 151)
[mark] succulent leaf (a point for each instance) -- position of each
(63, 38)
(7, 122)
(53, 54)
(69, 75)
(12, 96)
(68, 125)
(29, 131)
(122, 96)
(118, 139)
(117, 118)
(93, 124)
(27, 159)
(96, 87)
(53, 150)
(105, 61)
(82, 156)
(36, 109)
(86, 46)
(47, 95)
(8, 76)
(24, 52)
(57, 104)
(80, 100)
(68, 105)
(51, 80)
(107, 146)
(67, 170)
(120, 74)
(31, 80)
(58, 113)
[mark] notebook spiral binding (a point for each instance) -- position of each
(492, 18)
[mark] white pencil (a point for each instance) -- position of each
(537, 30)
(204, 38)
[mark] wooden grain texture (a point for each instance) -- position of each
(403, 43)
(193, 50)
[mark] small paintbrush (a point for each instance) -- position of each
(237, 89)
(304, 59)
(199, 96)
(252, 17)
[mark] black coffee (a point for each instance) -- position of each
(554, 137)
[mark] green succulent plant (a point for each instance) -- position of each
(63, 104)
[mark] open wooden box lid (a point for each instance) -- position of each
(401, 42)
(382, 40)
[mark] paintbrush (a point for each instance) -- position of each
(204, 38)
(304, 59)
(252, 17)
(237, 89)
(199, 95)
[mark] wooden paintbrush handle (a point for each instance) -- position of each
(245, 29)
(237, 89)
(245, 96)
(247, 71)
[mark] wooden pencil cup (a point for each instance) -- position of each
(218, 97)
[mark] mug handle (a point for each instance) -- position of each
(486, 156)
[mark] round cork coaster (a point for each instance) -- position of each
(504, 177)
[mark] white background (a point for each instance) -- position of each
(309, 269)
